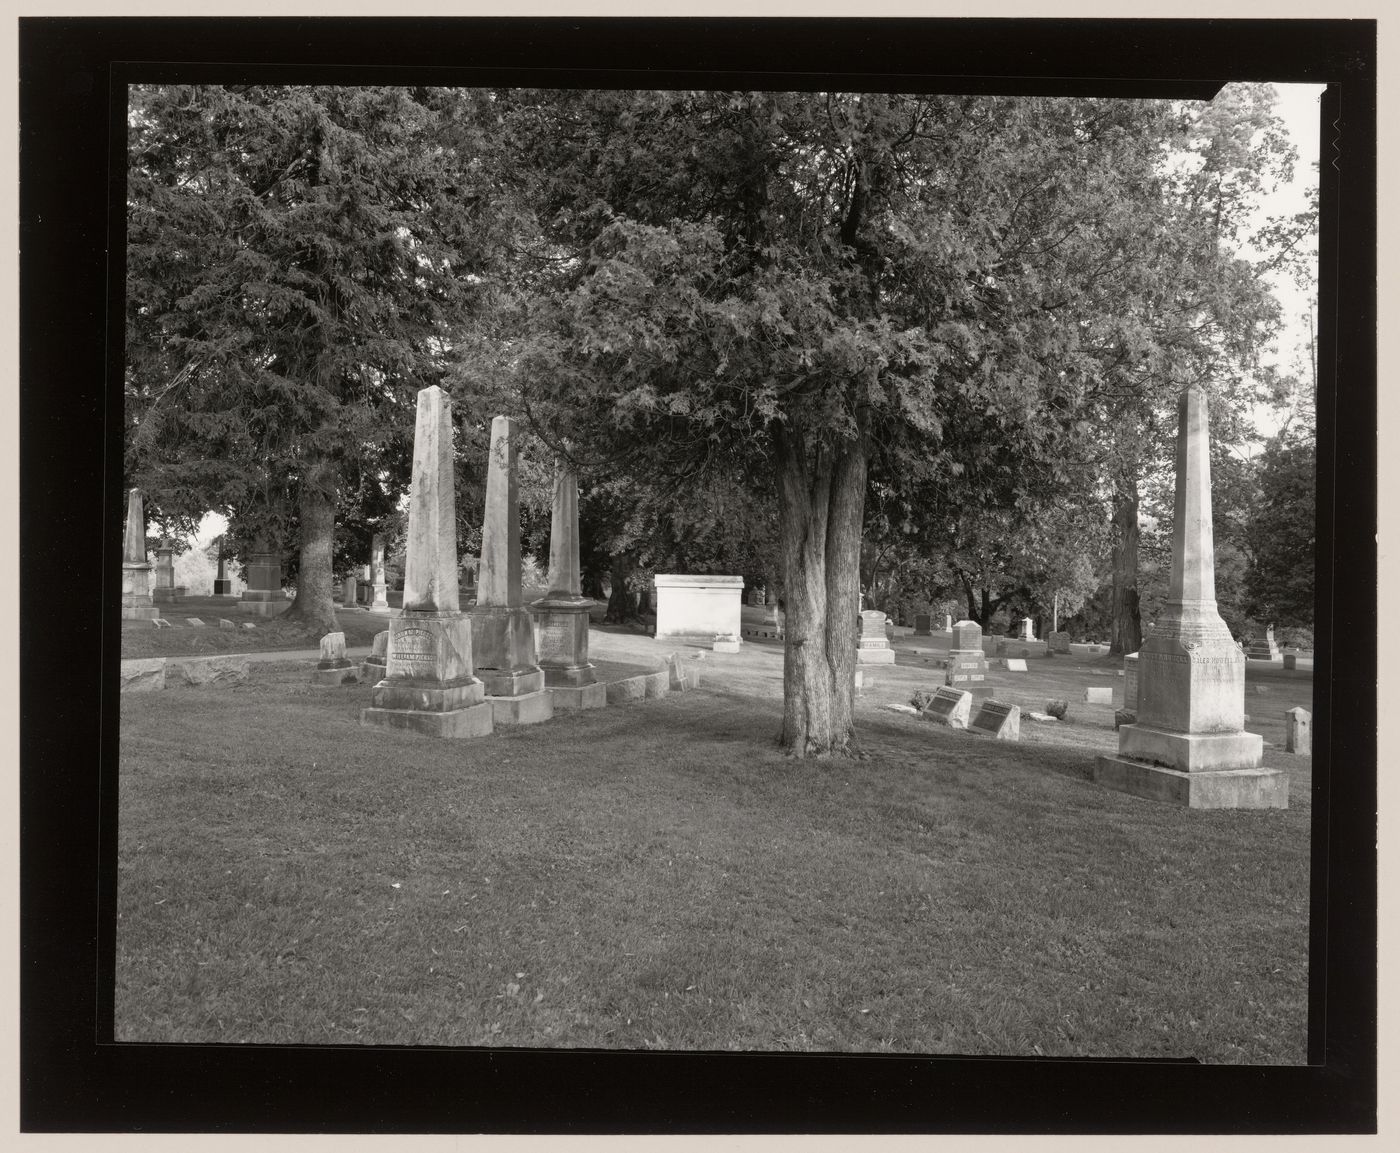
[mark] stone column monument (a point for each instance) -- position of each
(166, 590)
(503, 638)
(136, 569)
(223, 587)
(1188, 744)
(376, 564)
(561, 615)
(264, 596)
(429, 686)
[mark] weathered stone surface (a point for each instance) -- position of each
(345, 674)
(1045, 718)
(999, 720)
(1099, 695)
(1027, 632)
(1290, 660)
(136, 569)
(627, 690)
(923, 625)
(373, 671)
(499, 579)
(1298, 731)
(430, 570)
(658, 684)
(207, 672)
(575, 697)
(524, 709)
(333, 651)
(729, 644)
(349, 592)
(1015, 665)
(195, 622)
(143, 676)
(949, 706)
(561, 615)
(967, 635)
(225, 623)
(471, 721)
(1130, 682)
(1058, 642)
(1256, 788)
(503, 649)
(160, 622)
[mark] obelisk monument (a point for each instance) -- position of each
(136, 569)
(503, 641)
(429, 686)
(561, 615)
(380, 602)
(1188, 744)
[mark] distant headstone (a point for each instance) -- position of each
(995, 719)
(922, 625)
(249, 625)
(377, 575)
(947, 624)
(1298, 734)
(166, 590)
(1264, 648)
(1290, 660)
(225, 623)
(223, 587)
(1035, 716)
(194, 622)
(350, 590)
(966, 660)
(160, 622)
(696, 607)
(334, 667)
(375, 667)
(1130, 682)
(1015, 665)
(264, 595)
(1058, 642)
(143, 676)
(136, 569)
(949, 706)
(874, 646)
(727, 644)
(1027, 632)
(1099, 695)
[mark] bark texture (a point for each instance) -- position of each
(313, 605)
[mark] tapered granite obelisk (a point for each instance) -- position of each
(503, 641)
(136, 569)
(429, 686)
(1188, 744)
(561, 615)
(376, 563)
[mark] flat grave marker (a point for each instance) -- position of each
(1099, 695)
(949, 706)
(194, 622)
(1015, 665)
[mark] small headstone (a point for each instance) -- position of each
(922, 625)
(225, 623)
(1290, 660)
(1035, 716)
(379, 647)
(249, 625)
(727, 643)
(948, 706)
(1059, 642)
(1015, 665)
(1057, 709)
(676, 671)
(1123, 717)
(160, 622)
(1099, 695)
(333, 651)
(1298, 727)
(195, 622)
(998, 720)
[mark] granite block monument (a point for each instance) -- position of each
(873, 648)
(966, 660)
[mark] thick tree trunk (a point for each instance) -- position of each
(821, 505)
(312, 605)
(1127, 620)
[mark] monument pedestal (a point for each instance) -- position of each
(503, 650)
(380, 603)
(561, 642)
(574, 697)
(873, 648)
(169, 595)
(1256, 788)
(429, 686)
(223, 587)
(335, 673)
(262, 603)
(136, 596)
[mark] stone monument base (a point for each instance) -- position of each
(1190, 752)
(372, 672)
(335, 675)
(510, 682)
(169, 595)
(593, 695)
(526, 709)
(139, 610)
(726, 645)
(874, 656)
(1257, 788)
(472, 721)
(223, 587)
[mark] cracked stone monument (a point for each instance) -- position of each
(380, 603)
(561, 615)
(1188, 745)
(429, 686)
(503, 637)
(136, 569)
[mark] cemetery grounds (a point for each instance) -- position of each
(657, 875)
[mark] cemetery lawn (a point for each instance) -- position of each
(269, 634)
(658, 876)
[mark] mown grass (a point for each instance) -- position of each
(659, 876)
(271, 634)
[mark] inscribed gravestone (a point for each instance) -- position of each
(949, 706)
(995, 719)
(1298, 731)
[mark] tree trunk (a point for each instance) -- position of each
(821, 503)
(1127, 620)
(312, 605)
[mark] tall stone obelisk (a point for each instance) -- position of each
(503, 640)
(561, 615)
(1188, 744)
(429, 686)
(380, 602)
(136, 569)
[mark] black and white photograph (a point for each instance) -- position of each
(700, 561)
